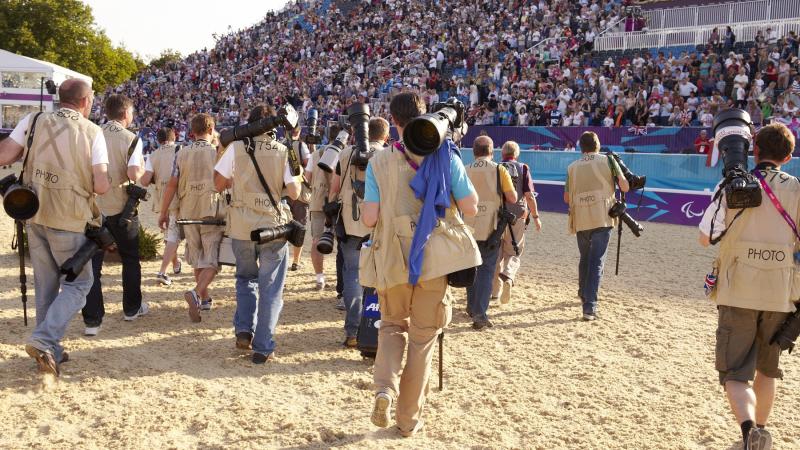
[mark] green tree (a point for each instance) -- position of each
(63, 32)
(167, 56)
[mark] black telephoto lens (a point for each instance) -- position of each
(325, 243)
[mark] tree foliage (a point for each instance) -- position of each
(63, 32)
(167, 56)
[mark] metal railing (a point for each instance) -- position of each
(696, 35)
(722, 14)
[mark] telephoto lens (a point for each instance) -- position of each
(294, 232)
(358, 116)
(330, 157)
(325, 243)
(135, 195)
(98, 238)
(312, 119)
(19, 201)
(788, 332)
(636, 182)
(426, 133)
(619, 210)
(286, 117)
(732, 136)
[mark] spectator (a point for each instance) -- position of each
(702, 145)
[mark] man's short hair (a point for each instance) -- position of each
(116, 105)
(406, 106)
(202, 124)
(165, 135)
(511, 149)
(74, 90)
(482, 146)
(775, 142)
(589, 142)
(260, 112)
(378, 129)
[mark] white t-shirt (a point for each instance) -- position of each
(225, 167)
(99, 148)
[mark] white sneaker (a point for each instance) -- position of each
(143, 310)
(589, 317)
(505, 295)
(91, 331)
(381, 411)
(759, 439)
(163, 279)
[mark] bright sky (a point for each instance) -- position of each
(149, 26)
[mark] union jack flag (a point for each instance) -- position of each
(638, 131)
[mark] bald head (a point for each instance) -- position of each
(482, 146)
(77, 94)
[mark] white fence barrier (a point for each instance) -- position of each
(691, 35)
(722, 14)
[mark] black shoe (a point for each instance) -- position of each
(64, 357)
(244, 340)
(294, 267)
(259, 358)
(469, 313)
(481, 324)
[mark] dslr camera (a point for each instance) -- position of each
(425, 134)
(286, 117)
(732, 135)
(358, 117)
(505, 218)
(636, 182)
(99, 238)
(135, 195)
(331, 211)
(19, 201)
(294, 232)
(312, 121)
(620, 210)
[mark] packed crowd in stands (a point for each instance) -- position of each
(512, 62)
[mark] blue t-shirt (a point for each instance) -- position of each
(459, 182)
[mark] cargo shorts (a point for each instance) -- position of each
(743, 346)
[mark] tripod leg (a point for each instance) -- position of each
(619, 245)
(23, 288)
(441, 361)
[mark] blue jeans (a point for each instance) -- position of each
(57, 300)
(352, 292)
(479, 293)
(592, 244)
(260, 275)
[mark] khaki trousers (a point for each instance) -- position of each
(411, 317)
(507, 261)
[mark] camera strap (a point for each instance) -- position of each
(250, 149)
(131, 149)
(777, 203)
(29, 144)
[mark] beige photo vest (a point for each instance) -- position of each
(59, 170)
(162, 160)
(250, 207)
(320, 184)
(350, 208)
(483, 174)
(450, 248)
(756, 256)
(591, 193)
(197, 198)
(118, 142)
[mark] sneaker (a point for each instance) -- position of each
(381, 411)
(416, 430)
(205, 305)
(64, 357)
(505, 296)
(320, 285)
(350, 342)
(340, 304)
(91, 331)
(176, 268)
(260, 358)
(479, 325)
(244, 340)
(143, 310)
(163, 279)
(589, 317)
(294, 267)
(45, 360)
(759, 439)
(194, 305)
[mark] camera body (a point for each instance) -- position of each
(135, 195)
(294, 232)
(19, 201)
(331, 211)
(732, 136)
(620, 211)
(636, 182)
(358, 116)
(98, 238)
(504, 219)
(286, 117)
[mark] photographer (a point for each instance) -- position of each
(158, 170)
(260, 267)
(526, 210)
(320, 186)
(193, 181)
(752, 302)
(299, 206)
(393, 209)
(589, 193)
(348, 176)
(66, 163)
(494, 187)
(125, 165)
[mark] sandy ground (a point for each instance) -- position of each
(641, 377)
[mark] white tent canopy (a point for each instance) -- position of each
(12, 62)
